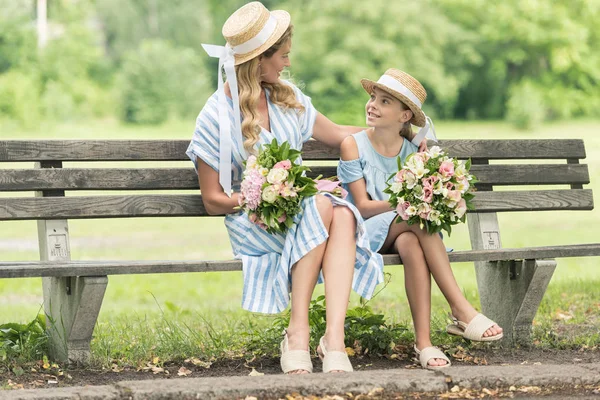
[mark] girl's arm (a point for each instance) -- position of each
(214, 198)
(358, 189)
(332, 135)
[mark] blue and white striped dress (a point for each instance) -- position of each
(268, 258)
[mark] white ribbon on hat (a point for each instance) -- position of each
(226, 56)
(425, 131)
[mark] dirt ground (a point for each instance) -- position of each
(38, 376)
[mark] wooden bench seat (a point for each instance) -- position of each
(511, 282)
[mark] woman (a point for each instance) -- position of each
(252, 108)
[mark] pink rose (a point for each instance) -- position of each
(454, 195)
(285, 164)
(447, 169)
(461, 208)
(282, 218)
(427, 194)
(449, 185)
(401, 210)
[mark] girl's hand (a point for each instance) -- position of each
(423, 145)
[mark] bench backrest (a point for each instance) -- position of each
(50, 180)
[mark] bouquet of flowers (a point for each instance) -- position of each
(273, 186)
(432, 189)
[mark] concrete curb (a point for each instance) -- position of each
(274, 386)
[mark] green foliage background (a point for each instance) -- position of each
(526, 61)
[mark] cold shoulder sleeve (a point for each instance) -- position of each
(350, 171)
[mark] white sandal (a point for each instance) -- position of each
(333, 360)
(294, 360)
(429, 353)
(474, 330)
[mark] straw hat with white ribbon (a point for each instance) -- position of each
(249, 32)
(410, 92)
(252, 30)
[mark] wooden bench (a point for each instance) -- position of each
(511, 282)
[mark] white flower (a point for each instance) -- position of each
(463, 185)
(411, 180)
(269, 194)
(438, 188)
(434, 216)
(251, 162)
(264, 171)
(411, 210)
(435, 151)
(396, 187)
(277, 175)
(460, 170)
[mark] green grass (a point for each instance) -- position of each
(205, 308)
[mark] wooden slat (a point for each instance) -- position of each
(154, 150)
(185, 178)
(85, 207)
(94, 268)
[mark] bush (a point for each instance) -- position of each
(525, 106)
(160, 81)
(20, 98)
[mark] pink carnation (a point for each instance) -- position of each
(461, 208)
(447, 169)
(285, 164)
(401, 210)
(427, 194)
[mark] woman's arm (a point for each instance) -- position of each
(332, 134)
(358, 188)
(214, 198)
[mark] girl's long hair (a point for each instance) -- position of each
(250, 86)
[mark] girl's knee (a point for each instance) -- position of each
(407, 242)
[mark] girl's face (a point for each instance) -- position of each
(384, 110)
(271, 67)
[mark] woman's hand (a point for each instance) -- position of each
(214, 198)
(423, 145)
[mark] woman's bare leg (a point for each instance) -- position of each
(304, 278)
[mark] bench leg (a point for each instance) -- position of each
(511, 292)
(72, 306)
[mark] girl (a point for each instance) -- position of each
(368, 158)
(328, 236)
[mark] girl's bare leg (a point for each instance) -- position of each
(417, 282)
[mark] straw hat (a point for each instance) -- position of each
(395, 82)
(246, 23)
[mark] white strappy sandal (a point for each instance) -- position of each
(333, 360)
(429, 353)
(474, 330)
(294, 360)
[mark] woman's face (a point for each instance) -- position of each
(384, 110)
(271, 67)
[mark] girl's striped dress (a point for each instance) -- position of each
(268, 258)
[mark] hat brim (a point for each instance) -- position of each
(418, 118)
(283, 22)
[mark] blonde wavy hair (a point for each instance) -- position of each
(250, 87)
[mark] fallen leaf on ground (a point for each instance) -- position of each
(183, 371)
(254, 372)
